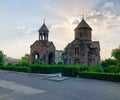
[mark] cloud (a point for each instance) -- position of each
(61, 33)
(74, 20)
(105, 16)
(46, 4)
(102, 19)
(27, 30)
(108, 5)
(22, 44)
(58, 26)
(30, 30)
(22, 27)
(106, 26)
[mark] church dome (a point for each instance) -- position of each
(83, 24)
(43, 28)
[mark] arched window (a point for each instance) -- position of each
(36, 57)
(44, 36)
(76, 50)
(80, 34)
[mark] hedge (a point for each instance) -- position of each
(72, 70)
(69, 71)
(100, 76)
(16, 68)
(46, 69)
(66, 70)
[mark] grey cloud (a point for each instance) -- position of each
(27, 30)
(75, 22)
(109, 19)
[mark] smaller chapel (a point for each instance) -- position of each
(42, 50)
(82, 50)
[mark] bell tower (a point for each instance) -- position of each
(83, 31)
(42, 50)
(43, 33)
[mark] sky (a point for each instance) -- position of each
(20, 21)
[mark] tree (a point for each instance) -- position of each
(25, 60)
(113, 69)
(1, 58)
(106, 63)
(116, 54)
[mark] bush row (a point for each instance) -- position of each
(14, 68)
(67, 70)
(72, 70)
(100, 76)
(45, 69)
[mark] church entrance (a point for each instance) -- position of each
(36, 57)
(76, 61)
(50, 58)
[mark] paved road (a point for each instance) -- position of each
(17, 86)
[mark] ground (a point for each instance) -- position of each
(26, 86)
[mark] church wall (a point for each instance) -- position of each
(83, 34)
(89, 52)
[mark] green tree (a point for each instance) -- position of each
(25, 60)
(106, 63)
(1, 58)
(113, 69)
(116, 54)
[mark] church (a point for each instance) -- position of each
(42, 50)
(82, 50)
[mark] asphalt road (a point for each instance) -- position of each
(17, 86)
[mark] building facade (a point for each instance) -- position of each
(58, 56)
(42, 50)
(82, 50)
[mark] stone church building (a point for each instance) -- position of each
(42, 50)
(82, 50)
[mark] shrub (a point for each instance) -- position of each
(1, 58)
(24, 60)
(95, 69)
(46, 69)
(116, 54)
(9, 64)
(72, 70)
(82, 68)
(69, 71)
(118, 65)
(60, 63)
(113, 69)
(1, 64)
(22, 69)
(16, 68)
(108, 62)
(101, 76)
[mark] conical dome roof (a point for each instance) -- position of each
(43, 28)
(83, 24)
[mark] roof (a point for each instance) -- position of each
(43, 28)
(95, 44)
(42, 43)
(83, 24)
